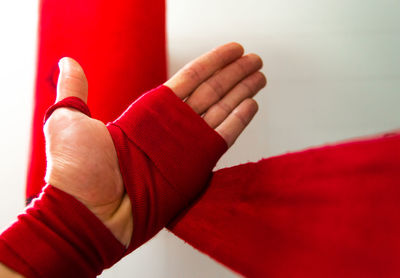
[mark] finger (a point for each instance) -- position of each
(71, 80)
(247, 88)
(193, 74)
(219, 84)
(236, 122)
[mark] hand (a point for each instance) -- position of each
(82, 160)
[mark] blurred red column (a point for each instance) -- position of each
(121, 45)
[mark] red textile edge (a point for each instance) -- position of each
(325, 212)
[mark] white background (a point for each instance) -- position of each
(333, 69)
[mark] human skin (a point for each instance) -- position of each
(219, 85)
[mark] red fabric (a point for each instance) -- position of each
(166, 154)
(57, 236)
(329, 212)
(121, 46)
(325, 212)
(69, 102)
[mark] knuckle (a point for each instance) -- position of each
(248, 85)
(216, 88)
(193, 72)
(239, 115)
(224, 107)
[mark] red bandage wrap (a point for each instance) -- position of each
(69, 102)
(325, 212)
(166, 154)
(58, 236)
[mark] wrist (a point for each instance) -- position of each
(57, 236)
(117, 218)
(115, 215)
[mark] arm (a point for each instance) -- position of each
(82, 159)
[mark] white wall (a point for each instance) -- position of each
(18, 21)
(333, 68)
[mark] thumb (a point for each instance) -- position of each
(72, 81)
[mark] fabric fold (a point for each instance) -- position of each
(325, 212)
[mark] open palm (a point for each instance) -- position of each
(82, 160)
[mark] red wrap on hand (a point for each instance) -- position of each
(58, 236)
(166, 154)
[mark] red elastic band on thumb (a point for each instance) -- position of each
(69, 102)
